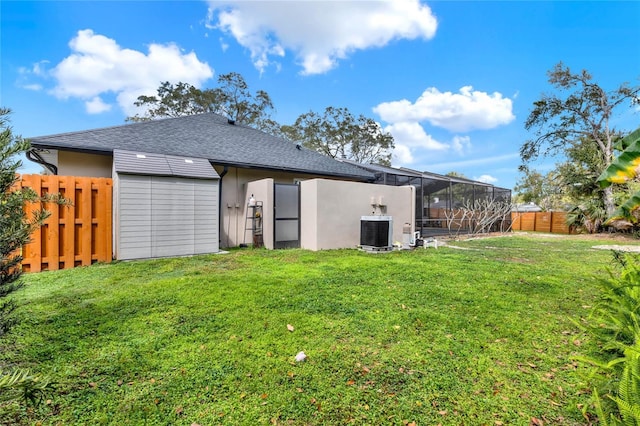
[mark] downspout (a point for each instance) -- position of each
(225, 170)
(33, 155)
(422, 206)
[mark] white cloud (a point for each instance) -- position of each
(35, 87)
(457, 112)
(401, 155)
(319, 33)
(98, 65)
(27, 75)
(40, 68)
(411, 140)
(97, 106)
(461, 144)
(223, 45)
(412, 135)
(486, 179)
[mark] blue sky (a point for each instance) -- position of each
(453, 81)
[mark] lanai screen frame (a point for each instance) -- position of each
(439, 195)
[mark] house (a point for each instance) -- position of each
(526, 207)
(196, 183)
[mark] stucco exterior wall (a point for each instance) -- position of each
(81, 164)
(235, 197)
(331, 211)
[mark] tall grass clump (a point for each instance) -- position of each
(615, 325)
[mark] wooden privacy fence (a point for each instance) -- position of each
(554, 222)
(76, 234)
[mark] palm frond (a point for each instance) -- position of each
(21, 384)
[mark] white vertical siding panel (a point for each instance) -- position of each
(171, 224)
(134, 217)
(206, 217)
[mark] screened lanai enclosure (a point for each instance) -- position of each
(448, 205)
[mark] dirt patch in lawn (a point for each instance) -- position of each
(609, 241)
(618, 247)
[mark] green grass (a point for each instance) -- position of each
(449, 336)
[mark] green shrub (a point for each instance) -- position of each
(628, 399)
(615, 324)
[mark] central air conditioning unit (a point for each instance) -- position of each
(376, 233)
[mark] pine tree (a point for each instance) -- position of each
(15, 226)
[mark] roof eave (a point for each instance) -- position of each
(38, 145)
(291, 170)
(363, 178)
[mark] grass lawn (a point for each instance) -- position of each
(454, 337)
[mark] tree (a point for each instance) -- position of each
(577, 176)
(479, 217)
(15, 226)
(534, 187)
(622, 170)
(579, 114)
(455, 174)
(15, 231)
(232, 99)
(239, 104)
(339, 134)
(571, 182)
(176, 101)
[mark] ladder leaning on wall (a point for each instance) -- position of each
(253, 223)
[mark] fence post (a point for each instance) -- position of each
(32, 252)
(84, 219)
(68, 234)
(51, 228)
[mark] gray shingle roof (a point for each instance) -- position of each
(207, 136)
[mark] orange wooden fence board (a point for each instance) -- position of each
(559, 223)
(543, 222)
(554, 222)
(516, 221)
(75, 234)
